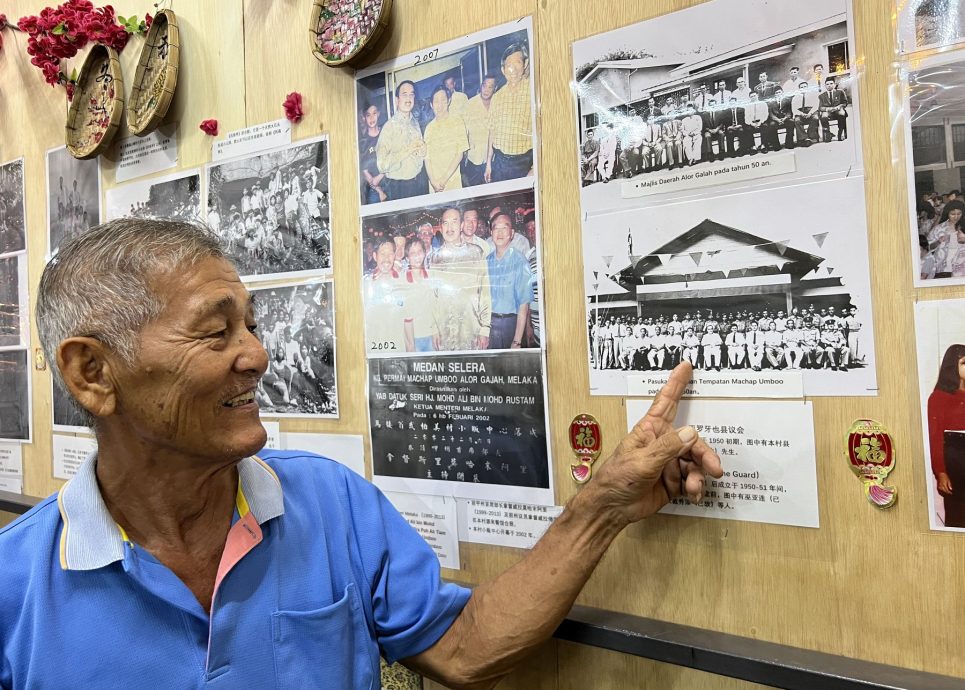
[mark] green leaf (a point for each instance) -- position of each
(73, 75)
(59, 30)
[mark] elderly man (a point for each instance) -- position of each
(401, 151)
(178, 558)
(509, 284)
(511, 120)
(476, 116)
(465, 304)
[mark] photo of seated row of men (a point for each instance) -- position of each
(452, 289)
(807, 339)
(715, 124)
(463, 142)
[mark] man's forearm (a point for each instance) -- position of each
(504, 621)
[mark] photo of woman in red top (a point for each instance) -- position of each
(946, 434)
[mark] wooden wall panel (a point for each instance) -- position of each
(866, 584)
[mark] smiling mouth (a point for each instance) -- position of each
(239, 400)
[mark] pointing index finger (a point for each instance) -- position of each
(664, 406)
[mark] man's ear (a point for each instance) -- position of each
(86, 366)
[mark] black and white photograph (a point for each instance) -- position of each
(456, 115)
(172, 197)
(935, 157)
(737, 287)
(673, 105)
(73, 196)
(13, 219)
(67, 417)
(14, 395)
(456, 277)
(940, 339)
(273, 210)
(296, 324)
(470, 426)
(924, 24)
(13, 302)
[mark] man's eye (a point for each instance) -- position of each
(219, 334)
(252, 328)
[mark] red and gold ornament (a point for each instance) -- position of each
(871, 454)
(586, 440)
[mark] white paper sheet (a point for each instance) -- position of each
(244, 142)
(11, 459)
(69, 453)
(146, 155)
(767, 450)
(504, 524)
(12, 484)
(434, 517)
(344, 448)
(274, 435)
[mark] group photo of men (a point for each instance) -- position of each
(175, 197)
(272, 210)
(460, 120)
(10, 327)
(296, 326)
(804, 338)
(713, 120)
(456, 277)
(13, 232)
(73, 196)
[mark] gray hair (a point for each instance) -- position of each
(99, 284)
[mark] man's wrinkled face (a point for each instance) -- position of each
(192, 387)
(488, 88)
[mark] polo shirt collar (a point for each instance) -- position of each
(90, 538)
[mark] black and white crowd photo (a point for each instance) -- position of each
(720, 284)
(73, 196)
(272, 210)
(673, 104)
(14, 395)
(296, 324)
(455, 119)
(13, 226)
(935, 112)
(172, 197)
(13, 287)
(461, 276)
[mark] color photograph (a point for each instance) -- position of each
(456, 115)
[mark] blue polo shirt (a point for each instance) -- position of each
(509, 282)
(319, 576)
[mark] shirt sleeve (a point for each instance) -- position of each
(936, 431)
(411, 606)
(523, 287)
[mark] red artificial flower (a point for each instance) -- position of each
(3, 20)
(293, 107)
(209, 127)
(148, 20)
(70, 90)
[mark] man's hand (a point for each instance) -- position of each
(656, 462)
